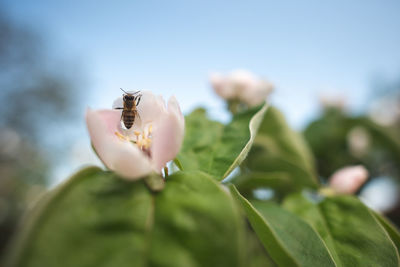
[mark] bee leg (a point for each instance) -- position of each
(137, 114)
(118, 108)
(137, 99)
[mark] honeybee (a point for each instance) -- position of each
(129, 110)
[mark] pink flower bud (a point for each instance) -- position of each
(349, 179)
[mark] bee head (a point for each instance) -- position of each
(129, 97)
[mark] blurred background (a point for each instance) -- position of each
(336, 67)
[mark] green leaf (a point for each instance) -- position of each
(98, 219)
(289, 240)
(351, 233)
(248, 182)
(155, 182)
(178, 164)
(215, 148)
(328, 137)
(257, 256)
(277, 148)
(392, 231)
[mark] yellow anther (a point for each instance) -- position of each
(146, 143)
(143, 139)
(139, 144)
(122, 137)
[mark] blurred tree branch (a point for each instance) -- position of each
(34, 97)
(33, 94)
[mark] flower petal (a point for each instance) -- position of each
(119, 155)
(221, 86)
(150, 107)
(241, 85)
(256, 93)
(168, 135)
(242, 79)
(118, 103)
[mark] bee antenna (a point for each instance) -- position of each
(123, 90)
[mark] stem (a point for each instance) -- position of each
(233, 106)
(155, 182)
(327, 191)
(236, 106)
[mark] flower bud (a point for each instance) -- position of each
(349, 179)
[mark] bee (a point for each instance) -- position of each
(129, 110)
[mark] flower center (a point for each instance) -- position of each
(141, 139)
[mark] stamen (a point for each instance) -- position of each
(146, 143)
(137, 134)
(122, 137)
(143, 139)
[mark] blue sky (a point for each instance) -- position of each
(170, 47)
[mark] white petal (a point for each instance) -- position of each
(150, 107)
(168, 135)
(121, 156)
(242, 78)
(130, 162)
(256, 93)
(118, 103)
(221, 86)
(241, 85)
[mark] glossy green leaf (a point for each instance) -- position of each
(350, 231)
(256, 255)
(328, 137)
(288, 239)
(248, 182)
(277, 148)
(98, 219)
(390, 229)
(215, 148)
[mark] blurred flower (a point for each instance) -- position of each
(349, 179)
(358, 141)
(385, 111)
(329, 100)
(154, 139)
(241, 85)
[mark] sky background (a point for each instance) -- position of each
(171, 47)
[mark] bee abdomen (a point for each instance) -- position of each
(128, 119)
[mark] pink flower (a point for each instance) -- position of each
(154, 139)
(349, 179)
(241, 85)
(221, 87)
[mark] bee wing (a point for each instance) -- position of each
(118, 103)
